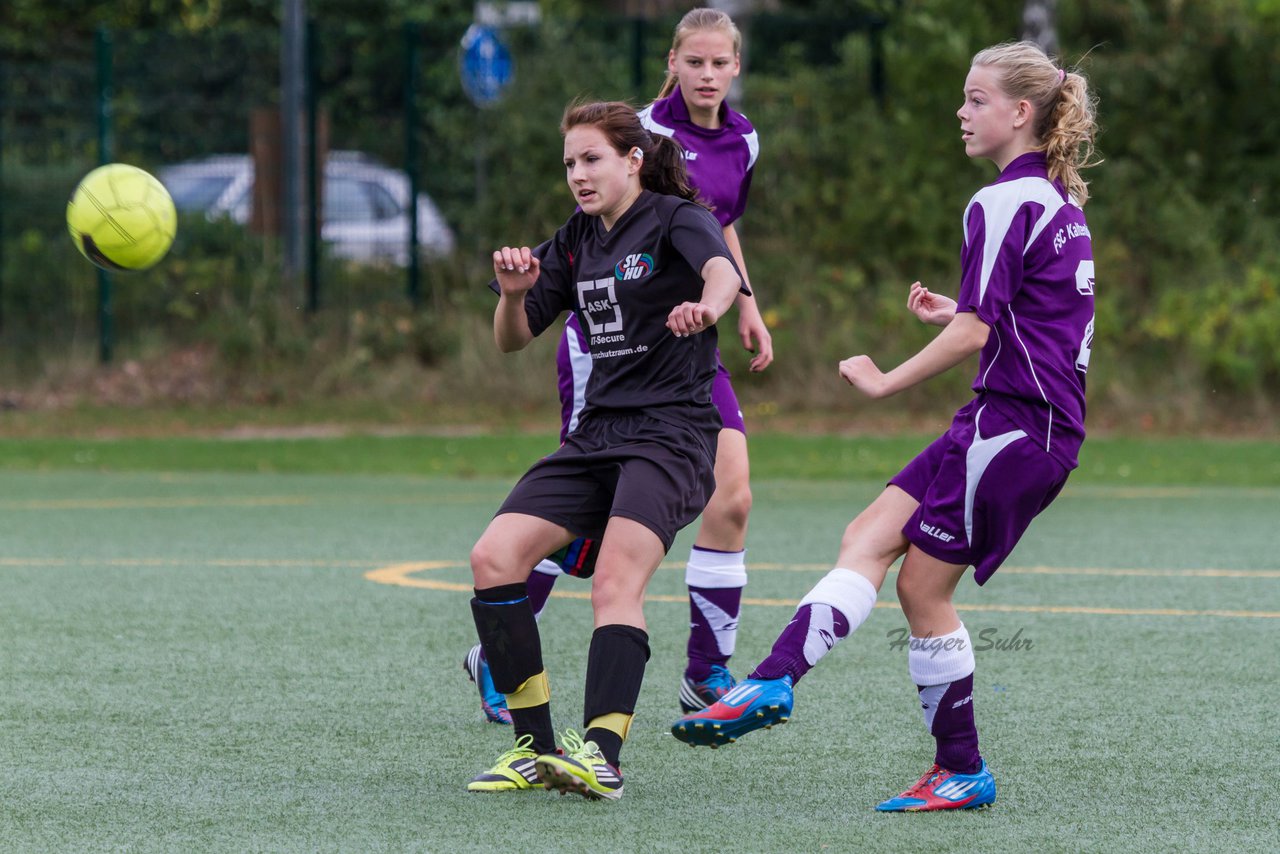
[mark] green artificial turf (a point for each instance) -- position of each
(200, 661)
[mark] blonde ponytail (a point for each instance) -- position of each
(1064, 105)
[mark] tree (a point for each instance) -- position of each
(1038, 18)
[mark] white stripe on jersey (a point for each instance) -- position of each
(646, 119)
(1031, 366)
(752, 139)
(1000, 204)
(753, 148)
(580, 370)
(979, 456)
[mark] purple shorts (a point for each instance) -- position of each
(979, 486)
(573, 366)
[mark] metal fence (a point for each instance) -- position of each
(406, 168)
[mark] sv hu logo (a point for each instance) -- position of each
(633, 267)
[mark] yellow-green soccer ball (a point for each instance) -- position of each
(121, 218)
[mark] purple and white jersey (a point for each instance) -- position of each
(1027, 272)
(720, 161)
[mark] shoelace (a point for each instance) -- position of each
(524, 744)
(937, 772)
(576, 748)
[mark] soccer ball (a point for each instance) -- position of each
(121, 218)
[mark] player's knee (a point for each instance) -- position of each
(869, 541)
(488, 567)
(918, 594)
(733, 506)
(612, 593)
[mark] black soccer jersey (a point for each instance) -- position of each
(622, 285)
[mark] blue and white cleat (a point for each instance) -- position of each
(492, 701)
(753, 704)
(695, 696)
(940, 789)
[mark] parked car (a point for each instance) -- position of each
(365, 211)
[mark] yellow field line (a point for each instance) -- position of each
(181, 562)
(403, 575)
(184, 502)
(188, 501)
(755, 567)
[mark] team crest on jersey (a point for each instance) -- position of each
(633, 267)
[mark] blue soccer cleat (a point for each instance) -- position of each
(695, 696)
(754, 704)
(940, 789)
(492, 701)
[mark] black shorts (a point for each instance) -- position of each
(655, 472)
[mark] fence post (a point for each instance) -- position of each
(103, 55)
(314, 178)
(637, 56)
(2, 91)
(411, 154)
(875, 37)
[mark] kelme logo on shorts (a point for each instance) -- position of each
(633, 267)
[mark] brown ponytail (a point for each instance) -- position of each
(662, 171)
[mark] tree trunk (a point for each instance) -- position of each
(1038, 17)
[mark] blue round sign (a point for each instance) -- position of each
(486, 65)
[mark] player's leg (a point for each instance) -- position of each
(991, 483)
(629, 555)
(573, 367)
(716, 571)
(509, 635)
(493, 705)
(940, 660)
(828, 613)
(716, 574)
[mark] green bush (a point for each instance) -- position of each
(854, 198)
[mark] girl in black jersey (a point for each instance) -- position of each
(647, 272)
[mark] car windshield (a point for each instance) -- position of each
(352, 200)
(196, 192)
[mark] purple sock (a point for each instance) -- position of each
(811, 634)
(948, 713)
(539, 586)
(713, 627)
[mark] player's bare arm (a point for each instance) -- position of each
(752, 330)
(931, 308)
(720, 285)
(959, 340)
(516, 270)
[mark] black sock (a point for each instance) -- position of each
(509, 635)
(615, 670)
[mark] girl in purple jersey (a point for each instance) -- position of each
(1026, 307)
(647, 271)
(721, 149)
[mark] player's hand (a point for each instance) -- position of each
(756, 338)
(862, 373)
(690, 318)
(931, 308)
(515, 269)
